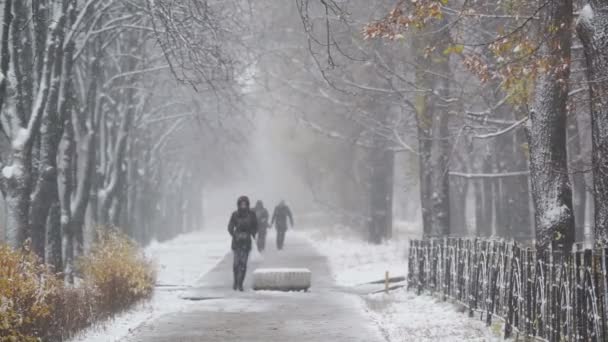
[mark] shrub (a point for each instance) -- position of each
(36, 305)
(27, 290)
(74, 309)
(117, 271)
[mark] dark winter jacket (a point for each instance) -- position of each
(243, 226)
(280, 215)
(262, 215)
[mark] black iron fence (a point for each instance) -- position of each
(554, 297)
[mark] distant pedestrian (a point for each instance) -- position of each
(279, 219)
(242, 227)
(262, 215)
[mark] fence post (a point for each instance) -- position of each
(432, 280)
(595, 274)
(579, 291)
(460, 269)
(604, 294)
(572, 287)
(528, 281)
(585, 313)
(445, 262)
(536, 272)
(410, 268)
(473, 280)
(492, 280)
(510, 306)
(421, 262)
(552, 325)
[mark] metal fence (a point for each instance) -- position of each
(553, 297)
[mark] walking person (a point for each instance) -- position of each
(262, 215)
(242, 227)
(279, 219)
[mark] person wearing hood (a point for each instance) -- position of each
(262, 215)
(242, 227)
(279, 218)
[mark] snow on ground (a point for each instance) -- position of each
(180, 262)
(404, 316)
(400, 315)
(353, 261)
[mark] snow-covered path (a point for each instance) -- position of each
(194, 302)
(218, 314)
(181, 263)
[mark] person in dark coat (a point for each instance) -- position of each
(262, 215)
(279, 219)
(242, 227)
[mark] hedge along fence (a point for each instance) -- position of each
(554, 297)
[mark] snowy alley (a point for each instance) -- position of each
(193, 300)
(303, 170)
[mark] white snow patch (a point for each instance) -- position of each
(404, 316)
(281, 270)
(554, 214)
(11, 171)
(517, 48)
(354, 261)
(185, 259)
(181, 262)
(64, 219)
(21, 137)
(586, 13)
(528, 125)
(233, 305)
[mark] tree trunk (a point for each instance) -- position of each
(65, 189)
(521, 200)
(577, 177)
(551, 189)
(481, 228)
(433, 137)
(45, 191)
(458, 206)
(381, 194)
(591, 29)
(424, 151)
(53, 252)
(488, 198)
(17, 203)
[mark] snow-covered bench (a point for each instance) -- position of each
(282, 279)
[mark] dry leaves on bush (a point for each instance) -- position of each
(118, 271)
(27, 288)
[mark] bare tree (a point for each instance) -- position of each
(591, 26)
(552, 192)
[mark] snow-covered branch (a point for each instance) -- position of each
(503, 131)
(489, 175)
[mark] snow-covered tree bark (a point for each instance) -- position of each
(109, 195)
(7, 18)
(433, 136)
(551, 190)
(592, 30)
(53, 245)
(577, 177)
(44, 191)
(37, 64)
